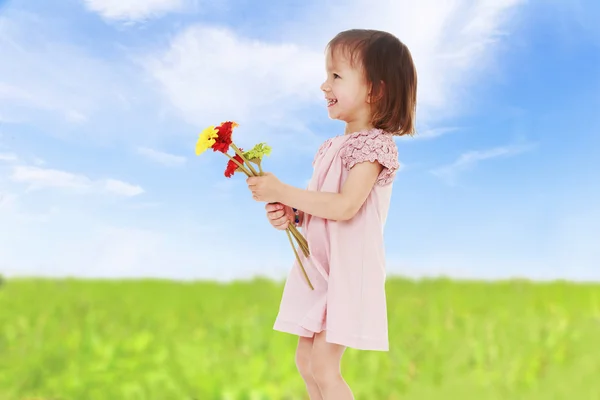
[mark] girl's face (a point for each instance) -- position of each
(347, 92)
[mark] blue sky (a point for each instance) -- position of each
(101, 103)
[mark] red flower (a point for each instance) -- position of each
(223, 140)
(231, 166)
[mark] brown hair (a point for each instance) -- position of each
(384, 59)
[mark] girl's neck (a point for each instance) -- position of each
(352, 127)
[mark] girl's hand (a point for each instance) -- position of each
(279, 215)
(265, 188)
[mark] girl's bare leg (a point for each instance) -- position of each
(304, 354)
(326, 369)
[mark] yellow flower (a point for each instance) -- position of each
(206, 140)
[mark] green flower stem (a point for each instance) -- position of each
(297, 233)
(300, 239)
(239, 153)
(239, 165)
(298, 258)
(303, 248)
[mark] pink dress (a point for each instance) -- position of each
(347, 261)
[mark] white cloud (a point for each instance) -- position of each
(8, 157)
(7, 201)
(451, 41)
(167, 159)
(470, 159)
(49, 80)
(211, 75)
(430, 133)
(41, 86)
(40, 178)
(75, 116)
(4, 119)
(122, 188)
(14, 93)
(14, 211)
(134, 10)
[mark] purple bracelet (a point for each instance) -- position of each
(296, 216)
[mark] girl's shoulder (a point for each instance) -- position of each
(370, 146)
(371, 138)
(326, 145)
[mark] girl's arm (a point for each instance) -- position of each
(340, 206)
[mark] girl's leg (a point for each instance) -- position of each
(303, 363)
(325, 362)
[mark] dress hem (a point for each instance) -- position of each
(351, 341)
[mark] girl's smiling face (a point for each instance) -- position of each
(347, 92)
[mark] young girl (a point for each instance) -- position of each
(371, 85)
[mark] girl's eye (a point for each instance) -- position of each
(336, 76)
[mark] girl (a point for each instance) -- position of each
(371, 85)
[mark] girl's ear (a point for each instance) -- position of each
(373, 99)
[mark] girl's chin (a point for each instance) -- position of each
(333, 112)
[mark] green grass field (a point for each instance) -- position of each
(111, 340)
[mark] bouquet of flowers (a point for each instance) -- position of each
(219, 139)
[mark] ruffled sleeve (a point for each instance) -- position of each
(372, 146)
